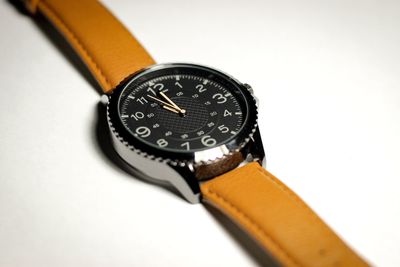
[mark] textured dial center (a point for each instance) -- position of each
(196, 116)
(152, 112)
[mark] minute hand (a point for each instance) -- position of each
(162, 102)
(172, 103)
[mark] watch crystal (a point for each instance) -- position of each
(182, 112)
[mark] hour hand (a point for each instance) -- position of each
(166, 105)
(171, 109)
(182, 111)
(171, 106)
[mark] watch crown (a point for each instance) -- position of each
(248, 86)
(250, 89)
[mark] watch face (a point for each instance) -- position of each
(182, 108)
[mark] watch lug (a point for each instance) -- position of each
(255, 150)
(182, 178)
(186, 183)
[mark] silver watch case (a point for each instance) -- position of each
(185, 171)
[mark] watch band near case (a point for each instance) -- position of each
(108, 49)
(256, 200)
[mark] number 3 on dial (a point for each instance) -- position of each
(220, 98)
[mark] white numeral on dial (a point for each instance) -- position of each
(223, 128)
(143, 131)
(201, 88)
(162, 142)
(227, 113)
(157, 87)
(220, 98)
(186, 145)
(179, 85)
(208, 140)
(142, 100)
(138, 115)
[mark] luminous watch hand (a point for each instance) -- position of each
(162, 102)
(166, 105)
(182, 111)
(171, 109)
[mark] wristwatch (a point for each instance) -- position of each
(195, 128)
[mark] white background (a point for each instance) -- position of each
(328, 77)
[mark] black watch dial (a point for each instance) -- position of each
(182, 111)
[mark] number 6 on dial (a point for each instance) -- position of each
(208, 141)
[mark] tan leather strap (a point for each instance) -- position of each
(110, 52)
(277, 218)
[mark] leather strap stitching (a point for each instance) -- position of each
(298, 201)
(293, 196)
(256, 226)
(128, 33)
(56, 17)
